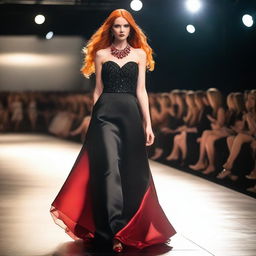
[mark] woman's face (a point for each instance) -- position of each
(166, 100)
(210, 99)
(121, 28)
(199, 102)
(230, 102)
(178, 100)
(250, 103)
(188, 100)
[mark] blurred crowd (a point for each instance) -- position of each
(63, 114)
(207, 133)
(203, 132)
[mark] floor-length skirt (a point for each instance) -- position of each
(109, 192)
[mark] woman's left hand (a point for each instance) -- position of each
(149, 136)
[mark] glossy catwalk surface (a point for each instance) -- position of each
(210, 219)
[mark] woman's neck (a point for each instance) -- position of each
(120, 44)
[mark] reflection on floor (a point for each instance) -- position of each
(210, 219)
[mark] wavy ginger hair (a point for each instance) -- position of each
(102, 39)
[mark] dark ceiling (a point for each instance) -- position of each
(82, 17)
(65, 17)
(85, 4)
(221, 53)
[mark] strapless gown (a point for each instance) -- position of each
(109, 192)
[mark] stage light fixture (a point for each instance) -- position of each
(39, 19)
(49, 35)
(247, 20)
(136, 5)
(191, 29)
(193, 5)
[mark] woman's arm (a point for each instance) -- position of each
(155, 115)
(251, 123)
(220, 120)
(99, 85)
(188, 116)
(195, 117)
(141, 89)
(221, 117)
(163, 109)
(142, 97)
(212, 120)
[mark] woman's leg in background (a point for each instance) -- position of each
(239, 140)
(174, 155)
(201, 161)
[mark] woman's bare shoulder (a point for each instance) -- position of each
(102, 52)
(140, 52)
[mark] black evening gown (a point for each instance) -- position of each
(109, 192)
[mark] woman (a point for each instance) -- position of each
(32, 111)
(187, 138)
(171, 118)
(16, 108)
(252, 175)
(232, 125)
(164, 120)
(3, 113)
(62, 121)
(190, 121)
(217, 120)
(247, 135)
(110, 194)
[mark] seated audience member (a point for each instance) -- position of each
(16, 110)
(62, 121)
(187, 138)
(246, 136)
(233, 125)
(190, 122)
(32, 111)
(3, 118)
(84, 125)
(217, 119)
(173, 110)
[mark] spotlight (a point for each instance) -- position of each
(193, 5)
(39, 19)
(136, 5)
(247, 20)
(191, 29)
(49, 35)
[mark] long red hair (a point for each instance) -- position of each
(102, 39)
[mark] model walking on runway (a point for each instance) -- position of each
(109, 195)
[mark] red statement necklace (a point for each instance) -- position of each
(120, 53)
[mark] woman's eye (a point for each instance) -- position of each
(127, 25)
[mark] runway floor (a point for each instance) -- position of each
(210, 219)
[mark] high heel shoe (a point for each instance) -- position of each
(223, 174)
(171, 159)
(251, 176)
(208, 171)
(194, 167)
(117, 247)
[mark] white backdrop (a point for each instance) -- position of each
(33, 63)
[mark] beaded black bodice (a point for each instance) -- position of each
(119, 79)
